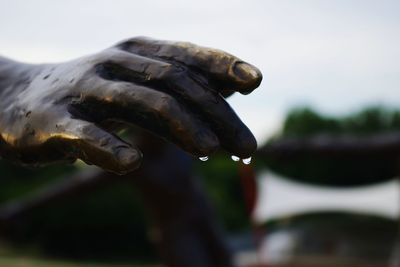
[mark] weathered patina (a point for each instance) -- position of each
(69, 111)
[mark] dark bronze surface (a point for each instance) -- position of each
(66, 111)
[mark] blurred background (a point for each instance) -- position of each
(322, 190)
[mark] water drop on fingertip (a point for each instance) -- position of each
(235, 158)
(247, 161)
(203, 158)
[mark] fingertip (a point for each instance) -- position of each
(127, 159)
(248, 76)
(121, 160)
(246, 144)
(206, 143)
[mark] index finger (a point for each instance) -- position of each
(223, 67)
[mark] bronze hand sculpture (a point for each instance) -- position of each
(68, 111)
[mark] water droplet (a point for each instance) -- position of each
(235, 158)
(247, 161)
(203, 158)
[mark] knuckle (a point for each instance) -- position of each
(175, 71)
(110, 55)
(163, 71)
(166, 105)
(139, 44)
(184, 45)
(100, 57)
(127, 43)
(134, 40)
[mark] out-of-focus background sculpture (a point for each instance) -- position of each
(352, 158)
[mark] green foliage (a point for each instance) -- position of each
(28, 262)
(17, 181)
(108, 223)
(222, 181)
(303, 122)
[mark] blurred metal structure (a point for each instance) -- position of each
(372, 158)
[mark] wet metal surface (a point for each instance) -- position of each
(61, 112)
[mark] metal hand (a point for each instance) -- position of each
(59, 112)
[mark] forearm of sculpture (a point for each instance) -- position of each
(15, 78)
(7, 67)
(10, 73)
(14, 74)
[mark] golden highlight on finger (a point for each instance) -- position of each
(152, 110)
(246, 77)
(96, 146)
(228, 70)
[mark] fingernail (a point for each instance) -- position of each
(245, 71)
(248, 74)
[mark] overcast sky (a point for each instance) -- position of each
(336, 55)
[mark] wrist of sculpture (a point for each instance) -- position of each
(14, 78)
(14, 75)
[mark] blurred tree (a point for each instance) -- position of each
(107, 224)
(305, 122)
